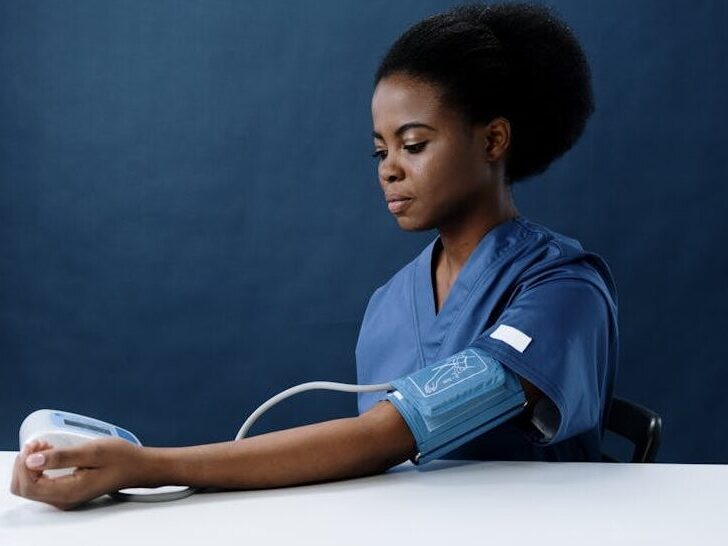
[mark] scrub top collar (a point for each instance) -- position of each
(432, 326)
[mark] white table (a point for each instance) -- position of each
(447, 503)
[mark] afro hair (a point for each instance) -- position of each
(518, 61)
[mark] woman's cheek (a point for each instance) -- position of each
(424, 176)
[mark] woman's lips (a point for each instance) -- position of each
(398, 205)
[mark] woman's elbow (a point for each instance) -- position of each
(390, 438)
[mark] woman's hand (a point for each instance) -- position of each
(103, 466)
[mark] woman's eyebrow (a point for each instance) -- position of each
(406, 127)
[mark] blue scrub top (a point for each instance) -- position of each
(533, 299)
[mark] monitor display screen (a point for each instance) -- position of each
(87, 427)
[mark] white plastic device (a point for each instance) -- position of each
(63, 429)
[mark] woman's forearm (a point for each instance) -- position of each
(331, 450)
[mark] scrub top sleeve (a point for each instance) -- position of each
(557, 335)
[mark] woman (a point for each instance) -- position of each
(465, 104)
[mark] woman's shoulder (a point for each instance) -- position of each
(556, 256)
(562, 244)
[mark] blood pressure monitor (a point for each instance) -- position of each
(62, 429)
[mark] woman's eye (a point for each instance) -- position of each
(415, 148)
(411, 148)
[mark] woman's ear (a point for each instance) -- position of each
(497, 138)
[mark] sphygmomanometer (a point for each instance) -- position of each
(444, 405)
(455, 400)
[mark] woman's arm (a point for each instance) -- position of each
(331, 450)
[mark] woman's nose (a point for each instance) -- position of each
(390, 171)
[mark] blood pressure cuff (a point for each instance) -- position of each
(455, 400)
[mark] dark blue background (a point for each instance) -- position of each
(190, 220)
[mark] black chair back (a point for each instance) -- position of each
(639, 425)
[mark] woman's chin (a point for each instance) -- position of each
(408, 223)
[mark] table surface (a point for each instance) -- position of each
(443, 503)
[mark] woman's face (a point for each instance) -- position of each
(433, 167)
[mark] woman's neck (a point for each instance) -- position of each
(459, 240)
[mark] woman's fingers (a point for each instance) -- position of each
(63, 492)
(25, 481)
(88, 455)
(101, 466)
(35, 445)
(20, 469)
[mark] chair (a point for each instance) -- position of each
(639, 425)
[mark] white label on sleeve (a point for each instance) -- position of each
(513, 336)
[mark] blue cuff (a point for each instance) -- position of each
(455, 400)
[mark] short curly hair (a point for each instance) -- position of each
(518, 61)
